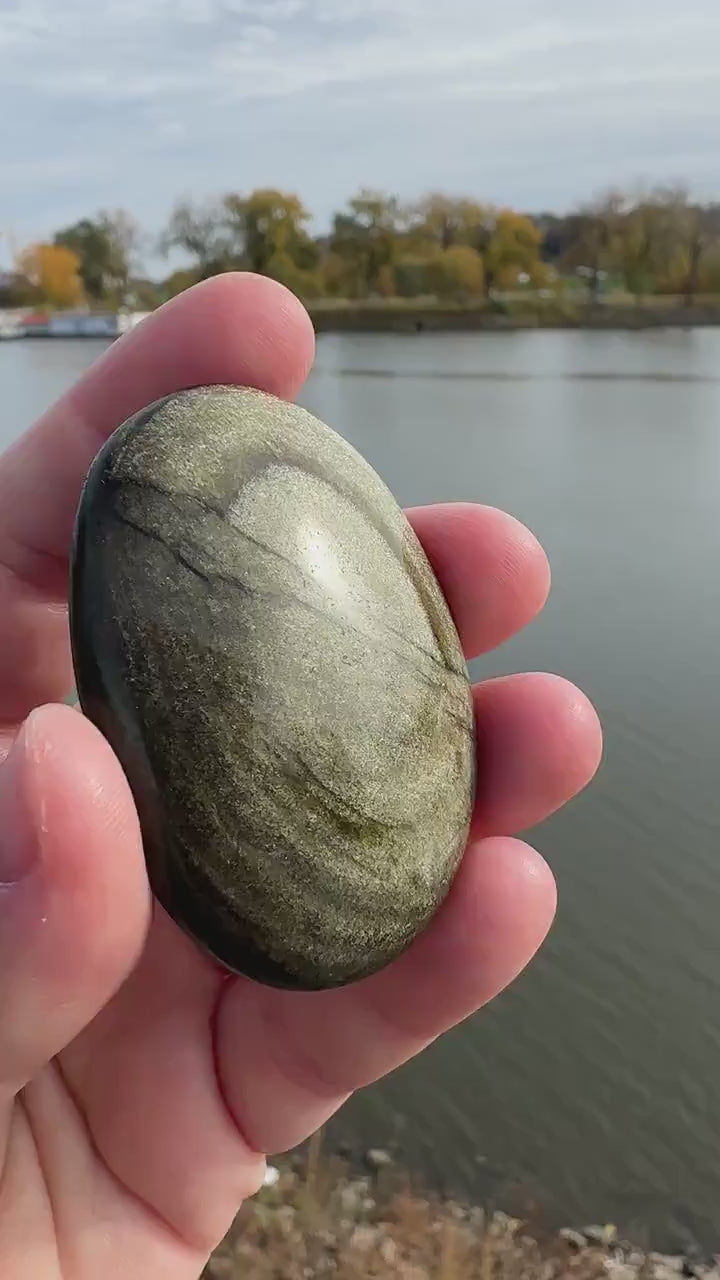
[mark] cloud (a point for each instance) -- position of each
(539, 102)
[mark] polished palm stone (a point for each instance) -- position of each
(259, 635)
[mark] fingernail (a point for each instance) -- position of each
(18, 843)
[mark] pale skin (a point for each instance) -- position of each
(140, 1087)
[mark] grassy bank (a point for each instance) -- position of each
(531, 312)
(321, 1219)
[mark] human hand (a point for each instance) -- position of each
(139, 1087)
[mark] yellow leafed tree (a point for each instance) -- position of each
(55, 273)
(511, 245)
(459, 271)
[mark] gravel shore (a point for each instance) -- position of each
(320, 1219)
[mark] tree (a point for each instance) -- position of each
(301, 281)
(123, 237)
(368, 237)
(648, 240)
(143, 294)
(85, 239)
(263, 232)
(558, 236)
(177, 283)
(106, 247)
(201, 231)
(54, 272)
(267, 227)
(17, 291)
(336, 275)
(448, 246)
(446, 221)
(415, 275)
(458, 272)
(711, 269)
(487, 245)
(698, 239)
(509, 243)
(594, 239)
(695, 236)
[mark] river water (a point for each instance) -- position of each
(591, 1090)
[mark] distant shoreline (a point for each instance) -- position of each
(398, 316)
(514, 317)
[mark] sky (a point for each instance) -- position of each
(534, 103)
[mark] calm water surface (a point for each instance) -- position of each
(594, 1084)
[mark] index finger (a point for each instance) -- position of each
(236, 328)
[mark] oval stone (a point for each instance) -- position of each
(258, 633)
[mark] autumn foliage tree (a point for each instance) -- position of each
(476, 247)
(510, 246)
(106, 247)
(678, 237)
(54, 271)
(264, 231)
(367, 237)
(446, 221)
(442, 247)
(270, 226)
(458, 272)
(653, 241)
(647, 240)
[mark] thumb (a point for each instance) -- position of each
(74, 898)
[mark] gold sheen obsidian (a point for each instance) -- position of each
(260, 637)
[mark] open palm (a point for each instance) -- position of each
(139, 1086)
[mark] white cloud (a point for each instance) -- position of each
(539, 102)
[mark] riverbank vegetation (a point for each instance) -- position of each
(449, 250)
(319, 1219)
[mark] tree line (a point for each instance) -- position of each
(453, 249)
